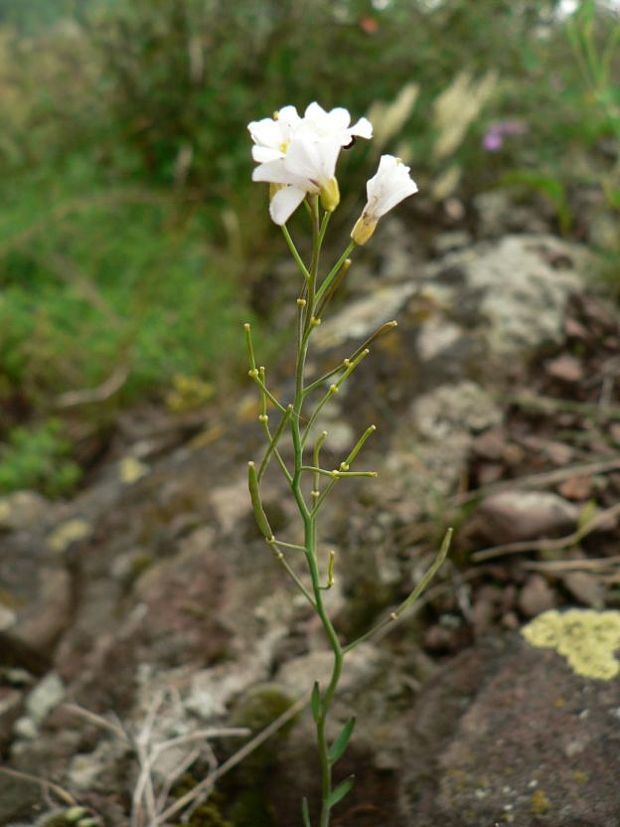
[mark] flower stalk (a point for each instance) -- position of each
(297, 157)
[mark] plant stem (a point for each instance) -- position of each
(309, 517)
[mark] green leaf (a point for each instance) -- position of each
(305, 812)
(340, 744)
(315, 701)
(341, 790)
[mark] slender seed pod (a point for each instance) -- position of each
(257, 506)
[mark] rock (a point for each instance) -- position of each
(46, 695)
(498, 214)
(536, 596)
(513, 516)
(231, 503)
(508, 282)
(23, 510)
(11, 704)
(432, 446)
(35, 588)
(507, 734)
(464, 407)
(299, 674)
(362, 317)
(565, 367)
(587, 588)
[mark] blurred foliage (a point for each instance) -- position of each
(38, 458)
(129, 240)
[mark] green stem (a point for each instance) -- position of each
(334, 271)
(295, 253)
(308, 516)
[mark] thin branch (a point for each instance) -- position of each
(209, 782)
(558, 544)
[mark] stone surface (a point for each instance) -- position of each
(508, 734)
(513, 516)
(519, 285)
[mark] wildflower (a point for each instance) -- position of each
(493, 139)
(307, 168)
(272, 136)
(333, 125)
(391, 185)
(298, 156)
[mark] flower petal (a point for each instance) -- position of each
(363, 128)
(389, 186)
(264, 154)
(266, 132)
(313, 160)
(275, 172)
(284, 203)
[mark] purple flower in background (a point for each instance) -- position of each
(494, 137)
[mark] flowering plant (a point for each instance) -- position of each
(297, 157)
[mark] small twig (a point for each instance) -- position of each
(412, 597)
(101, 393)
(547, 545)
(209, 782)
(549, 404)
(543, 479)
(98, 720)
(596, 564)
(48, 786)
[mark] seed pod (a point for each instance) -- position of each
(257, 506)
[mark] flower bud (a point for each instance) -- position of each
(330, 195)
(363, 229)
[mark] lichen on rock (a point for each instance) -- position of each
(588, 639)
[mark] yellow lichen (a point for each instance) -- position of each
(131, 470)
(69, 532)
(588, 639)
(539, 802)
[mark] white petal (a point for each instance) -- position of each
(288, 115)
(266, 132)
(395, 196)
(363, 128)
(264, 154)
(315, 111)
(339, 118)
(389, 186)
(274, 172)
(284, 203)
(313, 160)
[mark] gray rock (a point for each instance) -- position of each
(362, 317)
(508, 734)
(512, 516)
(23, 510)
(519, 286)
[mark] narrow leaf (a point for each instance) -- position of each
(340, 744)
(315, 701)
(305, 812)
(341, 790)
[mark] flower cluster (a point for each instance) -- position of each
(297, 156)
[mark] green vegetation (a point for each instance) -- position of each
(38, 458)
(129, 248)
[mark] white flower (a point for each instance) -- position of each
(307, 167)
(333, 125)
(272, 136)
(298, 156)
(391, 185)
